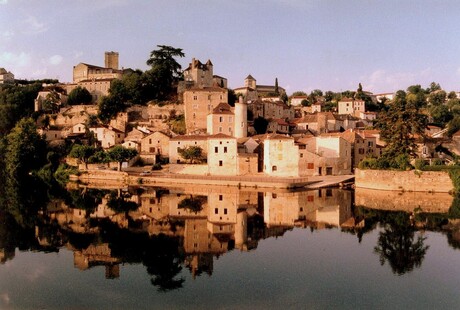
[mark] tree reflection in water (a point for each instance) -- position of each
(398, 245)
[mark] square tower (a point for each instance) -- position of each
(111, 60)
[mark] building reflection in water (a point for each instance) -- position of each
(166, 229)
(208, 221)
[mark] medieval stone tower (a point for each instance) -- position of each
(111, 60)
(241, 118)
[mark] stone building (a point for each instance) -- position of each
(94, 78)
(6, 76)
(351, 106)
(198, 103)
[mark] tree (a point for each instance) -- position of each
(79, 95)
(433, 87)
(276, 87)
(194, 204)
(260, 125)
(51, 102)
(437, 97)
(400, 125)
(25, 149)
(441, 115)
(121, 154)
(232, 97)
(298, 93)
(165, 71)
(397, 246)
(192, 153)
(82, 152)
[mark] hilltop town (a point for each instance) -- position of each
(210, 130)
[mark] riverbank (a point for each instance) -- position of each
(153, 178)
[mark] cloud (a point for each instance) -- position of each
(8, 59)
(7, 34)
(33, 26)
(55, 60)
(3, 2)
(77, 54)
(383, 81)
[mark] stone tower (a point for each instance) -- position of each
(111, 60)
(241, 118)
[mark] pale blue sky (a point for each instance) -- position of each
(331, 45)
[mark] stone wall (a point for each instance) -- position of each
(426, 181)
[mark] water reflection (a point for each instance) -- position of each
(171, 229)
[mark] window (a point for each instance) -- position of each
(310, 198)
(150, 141)
(301, 155)
(216, 211)
(216, 149)
(361, 151)
(221, 197)
(220, 163)
(220, 129)
(225, 211)
(225, 149)
(195, 97)
(152, 150)
(370, 144)
(274, 168)
(221, 119)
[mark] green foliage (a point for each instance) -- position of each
(63, 172)
(441, 115)
(82, 152)
(305, 103)
(191, 153)
(79, 95)
(165, 71)
(193, 204)
(120, 154)
(299, 93)
(177, 124)
(25, 149)
(260, 125)
(400, 125)
(232, 98)
(16, 102)
(455, 177)
(51, 102)
(419, 164)
(121, 204)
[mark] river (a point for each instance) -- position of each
(223, 248)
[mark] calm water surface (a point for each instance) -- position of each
(157, 248)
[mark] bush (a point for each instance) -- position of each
(436, 162)
(419, 164)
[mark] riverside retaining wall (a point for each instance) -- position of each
(412, 181)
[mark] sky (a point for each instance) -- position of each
(385, 45)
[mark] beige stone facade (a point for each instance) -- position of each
(351, 106)
(221, 120)
(198, 103)
(179, 142)
(222, 155)
(153, 146)
(108, 137)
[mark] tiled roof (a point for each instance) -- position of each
(222, 108)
